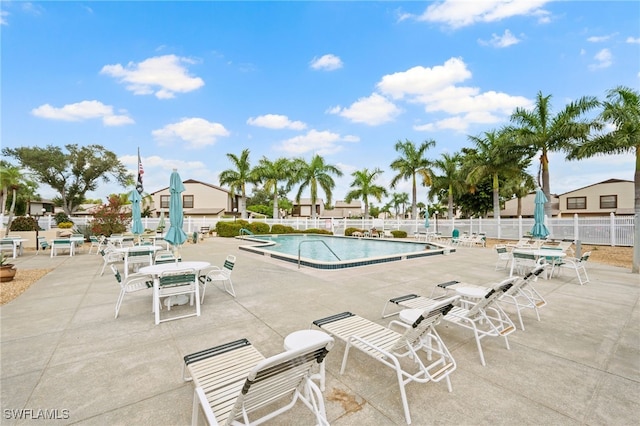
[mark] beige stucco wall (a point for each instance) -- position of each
(624, 191)
(204, 197)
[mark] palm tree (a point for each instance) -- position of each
(364, 188)
(313, 174)
(11, 179)
(410, 164)
(238, 177)
(450, 182)
(622, 110)
(400, 200)
(271, 173)
(519, 185)
(494, 156)
(540, 131)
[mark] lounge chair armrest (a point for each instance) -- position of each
(206, 408)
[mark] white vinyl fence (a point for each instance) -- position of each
(606, 230)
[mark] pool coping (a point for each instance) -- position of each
(259, 248)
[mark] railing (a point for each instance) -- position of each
(603, 230)
(314, 241)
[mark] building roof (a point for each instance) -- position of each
(197, 182)
(599, 183)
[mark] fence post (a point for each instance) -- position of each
(471, 225)
(576, 228)
(520, 234)
(612, 227)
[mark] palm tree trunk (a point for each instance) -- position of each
(496, 196)
(276, 211)
(544, 160)
(635, 266)
(11, 210)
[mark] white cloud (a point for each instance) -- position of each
(457, 14)
(3, 17)
(327, 62)
(600, 39)
(633, 40)
(276, 121)
(603, 58)
(322, 143)
(419, 80)
(80, 111)
(505, 40)
(196, 132)
(373, 110)
(163, 76)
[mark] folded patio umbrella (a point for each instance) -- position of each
(136, 215)
(175, 235)
(539, 229)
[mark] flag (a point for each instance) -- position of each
(139, 187)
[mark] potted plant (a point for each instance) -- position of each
(7, 270)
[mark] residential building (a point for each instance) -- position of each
(600, 199)
(303, 208)
(198, 199)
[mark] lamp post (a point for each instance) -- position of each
(436, 218)
(37, 217)
(235, 213)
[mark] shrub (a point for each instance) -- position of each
(349, 231)
(230, 229)
(399, 234)
(23, 223)
(61, 217)
(109, 218)
(282, 229)
(258, 228)
(316, 231)
(65, 225)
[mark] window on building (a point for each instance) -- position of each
(608, 201)
(187, 201)
(576, 203)
(164, 201)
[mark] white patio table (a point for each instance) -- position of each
(18, 247)
(156, 270)
(552, 254)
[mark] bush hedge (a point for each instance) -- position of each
(349, 231)
(23, 223)
(316, 231)
(282, 229)
(399, 234)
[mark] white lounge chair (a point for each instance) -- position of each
(233, 381)
(390, 347)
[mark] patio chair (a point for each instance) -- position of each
(165, 256)
(42, 244)
(217, 274)
(578, 265)
(391, 348)
(59, 244)
(522, 262)
(132, 284)
(234, 382)
(97, 243)
(109, 257)
(504, 256)
(174, 284)
(135, 257)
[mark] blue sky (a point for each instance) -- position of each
(189, 82)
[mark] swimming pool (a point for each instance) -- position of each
(334, 252)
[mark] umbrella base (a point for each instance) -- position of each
(181, 299)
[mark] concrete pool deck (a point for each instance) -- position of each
(61, 348)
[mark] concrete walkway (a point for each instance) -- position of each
(63, 352)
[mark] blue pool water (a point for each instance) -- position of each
(332, 252)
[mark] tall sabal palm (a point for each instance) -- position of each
(622, 110)
(364, 187)
(494, 156)
(271, 174)
(450, 182)
(316, 173)
(238, 177)
(542, 132)
(410, 165)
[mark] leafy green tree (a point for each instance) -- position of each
(316, 173)
(450, 182)
(71, 174)
(364, 187)
(270, 174)
(411, 164)
(238, 177)
(494, 155)
(16, 190)
(622, 110)
(542, 132)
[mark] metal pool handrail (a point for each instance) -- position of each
(315, 241)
